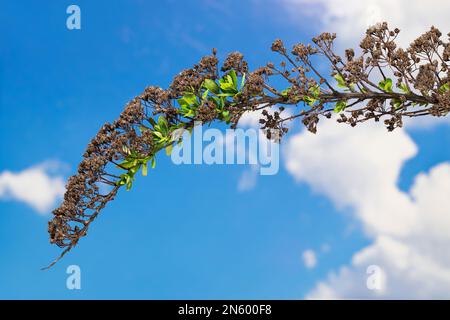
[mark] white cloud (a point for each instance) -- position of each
(350, 18)
(36, 186)
(358, 169)
(250, 119)
(408, 274)
(309, 259)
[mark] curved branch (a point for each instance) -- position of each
(150, 121)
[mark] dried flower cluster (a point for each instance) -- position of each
(383, 82)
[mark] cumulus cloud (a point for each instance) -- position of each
(350, 18)
(37, 186)
(309, 258)
(250, 119)
(358, 169)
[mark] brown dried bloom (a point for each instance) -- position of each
(356, 88)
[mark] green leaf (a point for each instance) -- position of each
(163, 125)
(135, 169)
(227, 87)
(242, 81)
(234, 79)
(129, 185)
(190, 98)
(205, 94)
(188, 113)
(340, 106)
(444, 88)
(162, 121)
(169, 149)
(123, 179)
(309, 100)
(341, 82)
(285, 92)
(126, 150)
(228, 83)
(212, 86)
(315, 91)
(153, 163)
(148, 158)
(158, 134)
(403, 87)
(144, 169)
(226, 95)
(226, 116)
(216, 101)
(397, 103)
(126, 164)
(183, 103)
(386, 85)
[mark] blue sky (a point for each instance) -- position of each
(183, 232)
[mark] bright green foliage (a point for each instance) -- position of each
(133, 163)
(222, 94)
(340, 81)
(386, 85)
(161, 132)
(315, 91)
(404, 88)
(340, 106)
(444, 88)
(188, 104)
(212, 86)
(397, 103)
(285, 92)
(342, 84)
(313, 97)
(309, 100)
